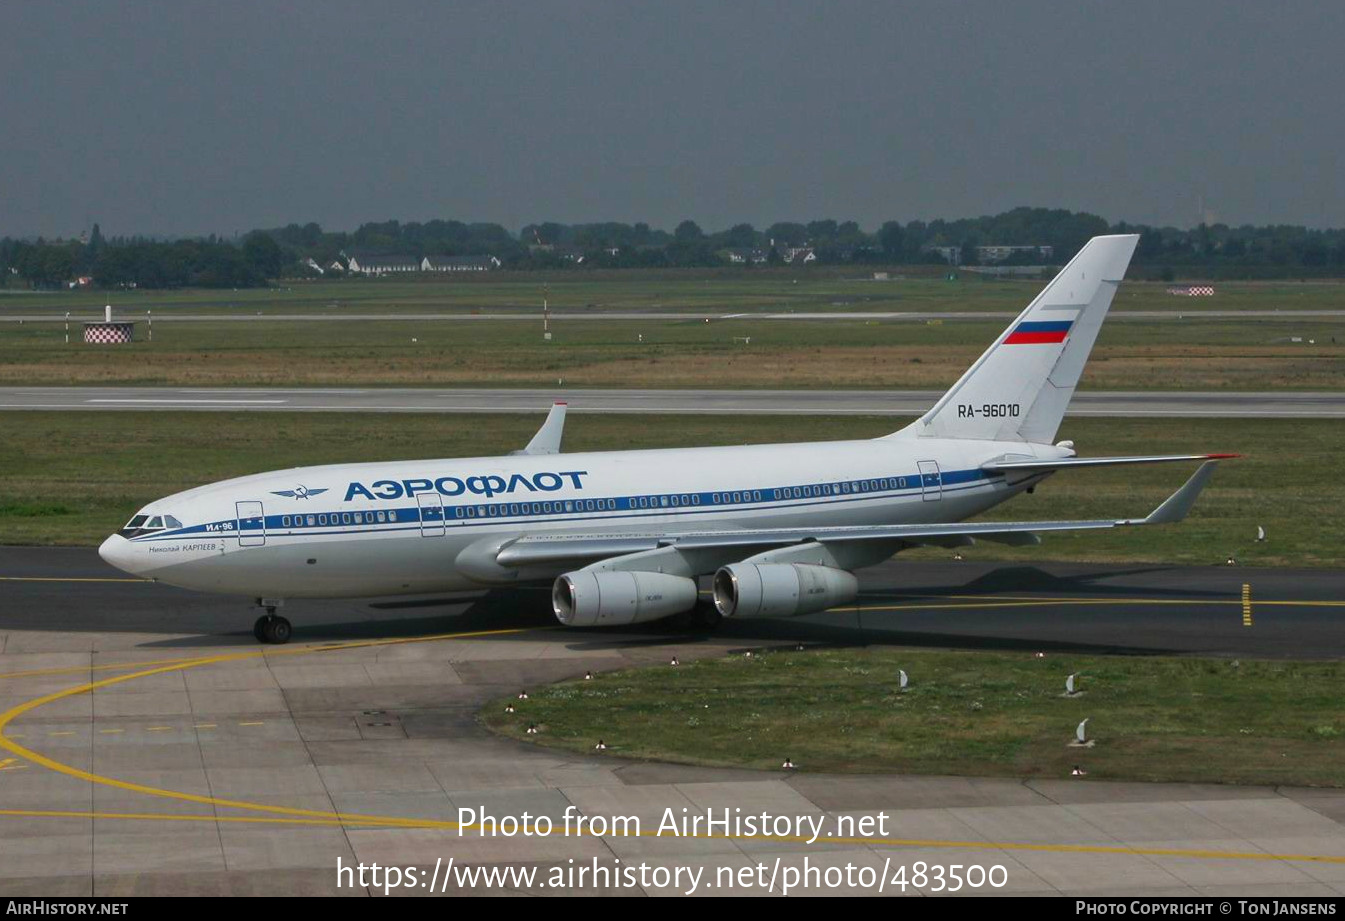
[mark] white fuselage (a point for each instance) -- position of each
(411, 526)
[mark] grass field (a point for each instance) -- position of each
(1189, 353)
(73, 478)
(693, 290)
(971, 713)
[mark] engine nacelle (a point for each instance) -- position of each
(781, 589)
(585, 598)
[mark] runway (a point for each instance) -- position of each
(1287, 404)
(149, 746)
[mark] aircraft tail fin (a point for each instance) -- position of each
(1019, 388)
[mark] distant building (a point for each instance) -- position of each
(797, 255)
(743, 255)
(383, 265)
(951, 254)
(459, 263)
(312, 263)
(989, 255)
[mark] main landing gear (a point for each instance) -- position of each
(703, 617)
(272, 628)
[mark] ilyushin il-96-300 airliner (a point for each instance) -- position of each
(624, 535)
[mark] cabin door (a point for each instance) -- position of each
(431, 514)
(251, 524)
(931, 481)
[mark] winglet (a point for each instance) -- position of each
(1177, 505)
(547, 439)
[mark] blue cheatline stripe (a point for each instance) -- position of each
(658, 504)
(1044, 326)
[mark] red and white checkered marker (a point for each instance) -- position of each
(109, 333)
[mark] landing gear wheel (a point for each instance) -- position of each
(705, 616)
(278, 630)
(272, 629)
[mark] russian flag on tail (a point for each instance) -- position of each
(1038, 332)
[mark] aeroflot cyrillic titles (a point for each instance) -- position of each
(487, 485)
(623, 536)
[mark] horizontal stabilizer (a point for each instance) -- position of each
(1062, 463)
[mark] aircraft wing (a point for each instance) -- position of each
(550, 548)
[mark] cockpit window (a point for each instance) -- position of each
(140, 525)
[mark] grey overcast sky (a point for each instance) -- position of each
(199, 117)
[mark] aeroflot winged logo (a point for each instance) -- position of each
(298, 492)
(489, 485)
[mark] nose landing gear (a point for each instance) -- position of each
(272, 628)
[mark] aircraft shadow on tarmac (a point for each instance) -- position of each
(528, 609)
(1036, 580)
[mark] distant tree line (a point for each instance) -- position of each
(1216, 250)
(143, 263)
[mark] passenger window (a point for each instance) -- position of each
(345, 517)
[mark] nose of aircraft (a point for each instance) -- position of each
(117, 551)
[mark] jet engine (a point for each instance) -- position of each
(586, 598)
(781, 589)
